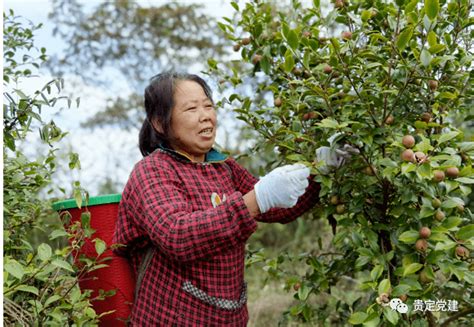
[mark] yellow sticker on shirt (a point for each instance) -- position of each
(216, 199)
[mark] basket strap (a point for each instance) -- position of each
(142, 268)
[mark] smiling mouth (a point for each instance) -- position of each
(206, 131)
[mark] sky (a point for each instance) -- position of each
(98, 152)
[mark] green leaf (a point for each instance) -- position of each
(410, 6)
(443, 246)
(303, 292)
(466, 146)
(57, 233)
(86, 220)
(295, 157)
(292, 39)
(425, 57)
(408, 167)
(447, 136)
(435, 256)
(100, 246)
(384, 286)
(62, 264)
(452, 202)
(52, 299)
(235, 5)
(78, 197)
(446, 95)
(432, 40)
(409, 237)
(289, 61)
(328, 123)
(362, 261)
(376, 272)
(404, 38)
(452, 222)
(391, 315)
(44, 252)
(466, 232)
(400, 289)
(366, 14)
(412, 268)
(358, 318)
(431, 8)
(465, 180)
(28, 288)
(437, 48)
(424, 171)
(14, 268)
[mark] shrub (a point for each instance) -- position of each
(374, 72)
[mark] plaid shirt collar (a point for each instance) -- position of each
(212, 156)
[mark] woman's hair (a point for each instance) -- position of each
(159, 103)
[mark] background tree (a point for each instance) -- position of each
(134, 42)
(39, 281)
(388, 77)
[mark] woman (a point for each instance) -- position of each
(195, 208)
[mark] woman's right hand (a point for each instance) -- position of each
(282, 187)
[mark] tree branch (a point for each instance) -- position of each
(457, 316)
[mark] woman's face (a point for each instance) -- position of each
(193, 121)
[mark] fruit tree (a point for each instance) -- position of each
(394, 79)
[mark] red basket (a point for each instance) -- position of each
(118, 275)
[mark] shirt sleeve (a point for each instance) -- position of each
(164, 212)
(245, 182)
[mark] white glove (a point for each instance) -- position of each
(282, 187)
(334, 156)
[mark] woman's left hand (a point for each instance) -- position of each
(334, 155)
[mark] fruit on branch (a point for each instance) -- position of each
(346, 35)
(389, 120)
(339, 4)
(334, 200)
(408, 141)
(440, 215)
(297, 71)
(452, 172)
(370, 170)
(461, 252)
(420, 157)
(433, 84)
(310, 115)
(277, 102)
(246, 41)
(426, 117)
(408, 155)
(296, 286)
(425, 232)
(340, 208)
(327, 69)
(383, 299)
(436, 203)
(438, 176)
(421, 245)
(256, 59)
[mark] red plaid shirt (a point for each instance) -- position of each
(194, 216)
